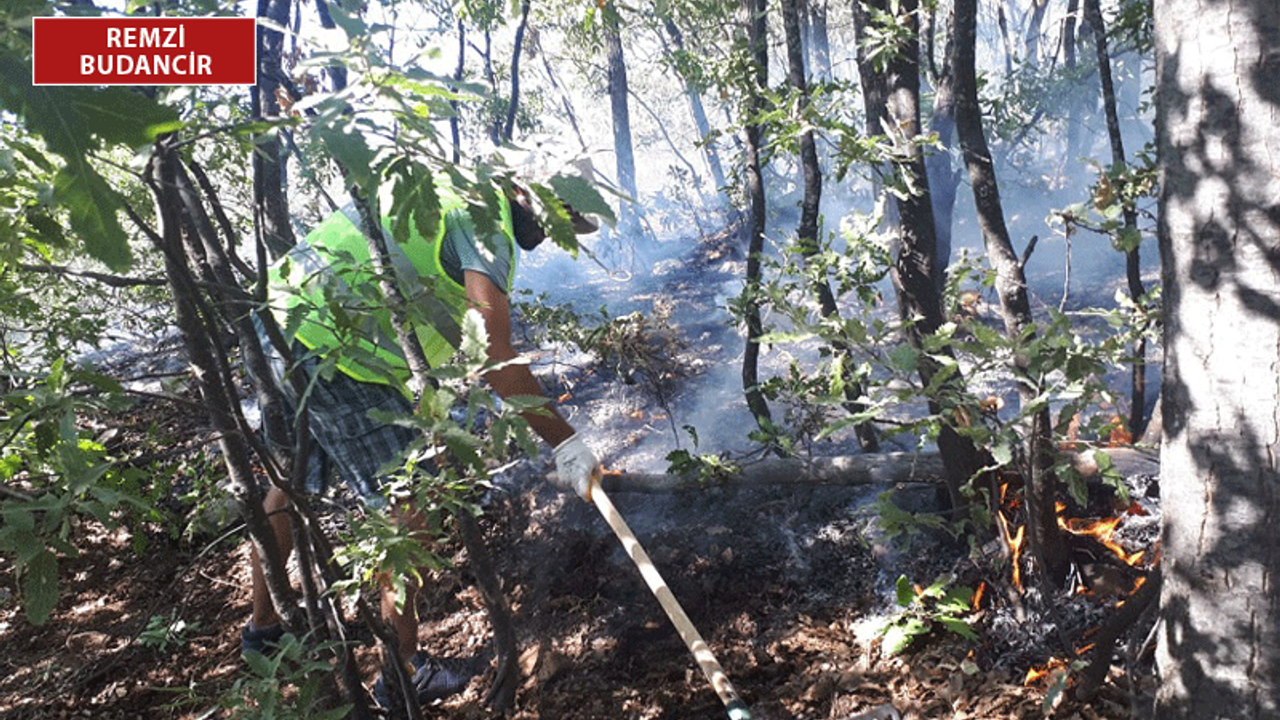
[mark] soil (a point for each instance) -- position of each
(787, 585)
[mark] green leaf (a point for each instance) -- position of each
(904, 358)
(583, 196)
(40, 587)
(900, 635)
(906, 593)
(958, 626)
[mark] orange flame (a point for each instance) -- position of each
(1014, 542)
(1102, 530)
(1035, 674)
(977, 595)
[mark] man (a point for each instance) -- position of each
(465, 272)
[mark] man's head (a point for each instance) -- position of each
(528, 231)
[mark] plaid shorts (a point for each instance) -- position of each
(348, 443)
(355, 446)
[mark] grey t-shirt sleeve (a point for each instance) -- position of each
(462, 250)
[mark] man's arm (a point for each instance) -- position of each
(511, 380)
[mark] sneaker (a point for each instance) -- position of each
(434, 679)
(257, 639)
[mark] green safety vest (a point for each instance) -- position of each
(324, 276)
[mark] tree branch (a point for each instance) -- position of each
(118, 281)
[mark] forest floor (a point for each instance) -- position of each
(788, 585)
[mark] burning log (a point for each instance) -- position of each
(876, 468)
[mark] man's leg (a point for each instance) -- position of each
(276, 505)
(404, 623)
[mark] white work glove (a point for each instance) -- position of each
(576, 466)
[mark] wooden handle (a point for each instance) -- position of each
(692, 639)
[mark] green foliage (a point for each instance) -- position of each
(941, 605)
(64, 475)
(261, 695)
(76, 123)
(166, 632)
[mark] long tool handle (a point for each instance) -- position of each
(692, 639)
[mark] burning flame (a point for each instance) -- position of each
(1102, 530)
(1014, 542)
(1036, 674)
(977, 595)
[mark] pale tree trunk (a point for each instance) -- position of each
(698, 110)
(944, 180)
(819, 41)
(1218, 124)
(617, 74)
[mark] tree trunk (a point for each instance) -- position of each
(1133, 270)
(1218, 124)
(893, 107)
(513, 104)
(459, 72)
(1031, 37)
(626, 164)
(1069, 62)
(1044, 540)
(819, 43)
(808, 233)
(269, 157)
(944, 180)
(757, 84)
(699, 112)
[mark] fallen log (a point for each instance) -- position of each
(870, 469)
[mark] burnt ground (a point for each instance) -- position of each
(787, 585)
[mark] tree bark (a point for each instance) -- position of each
(944, 180)
(270, 206)
(1044, 539)
(617, 74)
(893, 108)
(1133, 271)
(757, 83)
(699, 112)
(513, 104)
(1218, 125)
(459, 72)
(807, 235)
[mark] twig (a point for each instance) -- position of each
(118, 281)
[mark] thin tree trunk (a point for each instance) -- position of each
(564, 98)
(1069, 62)
(617, 74)
(807, 235)
(1031, 38)
(1133, 269)
(893, 97)
(270, 204)
(1045, 543)
(1218, 125)
(513, 105)
(757, 83)
(459, 72)
(698, 111)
